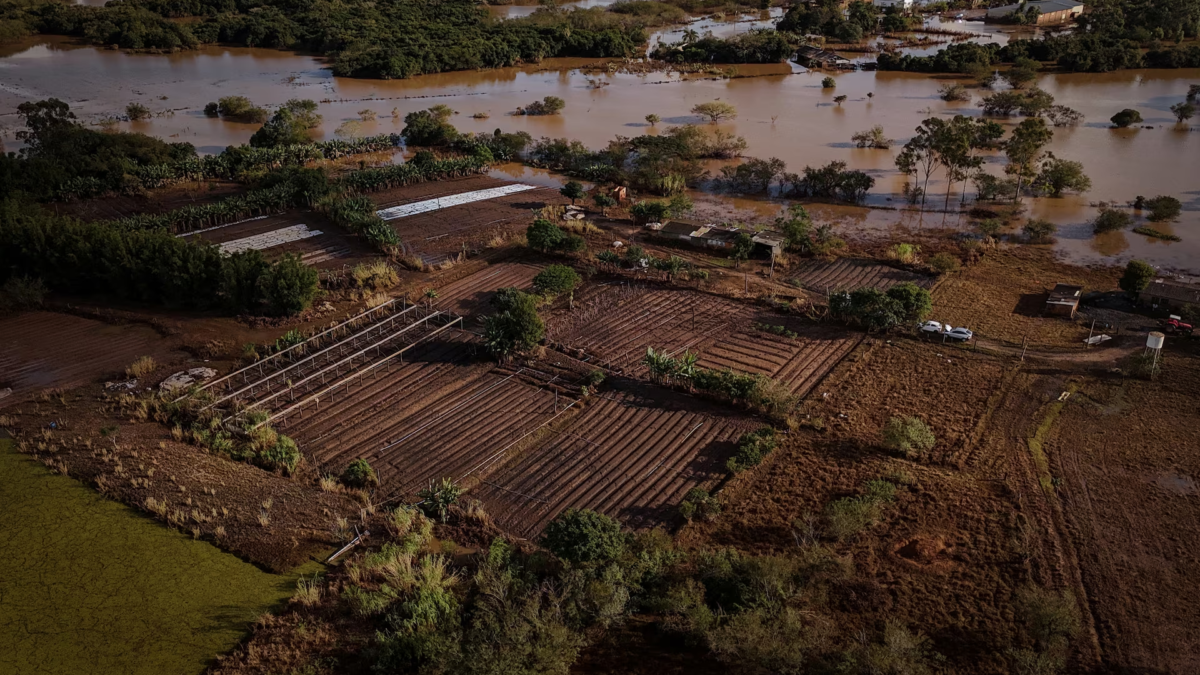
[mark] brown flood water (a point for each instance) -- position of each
(783, 112)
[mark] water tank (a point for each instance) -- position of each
(1155, 340)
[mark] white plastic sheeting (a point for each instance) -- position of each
(270, 239)
(452, 200)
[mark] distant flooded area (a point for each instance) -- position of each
(91, 586)
(783, 112)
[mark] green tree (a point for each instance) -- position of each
(1163, 207)
(715, 111)
(241, 278)
(1024, 149)
(359, 474)
(1038, 231)
(653, 119)
(516, 327)
(429, 128)
(1184, 111)
(584, 537)
(572, 190)
(915, 302)
(1126, 117)
(1058, 175)
(1138, 275)
(604, 201)
(290, 285)
(908, 435)
(556, 279)
(1111, 220)
(796, 228)
(828, 83)
(544, 235)
(288, 126)
(743, 246)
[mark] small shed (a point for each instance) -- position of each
(1170, 294)
(675, 229)
(771, 241)
(1064, 300)
(815, 57)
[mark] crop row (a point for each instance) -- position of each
(631, 462)
(849, 274)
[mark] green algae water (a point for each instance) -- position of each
(88, 585)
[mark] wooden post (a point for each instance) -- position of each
(1024, 346)
(1088, 344)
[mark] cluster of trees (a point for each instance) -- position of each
(832, 182)
(386, 40)
(859, 19)
(517, 611)
(146, 266)
(549, 105)
(954, 146)
(878, 310)
(802, 237)
(63, 160)
(1112, 36)
(755, 46)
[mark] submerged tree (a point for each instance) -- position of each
(715, 111)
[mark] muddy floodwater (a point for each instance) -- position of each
(782, 112)
(90, 586)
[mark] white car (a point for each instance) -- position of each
(960, 333)
(933, 327)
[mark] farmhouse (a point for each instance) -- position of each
(1063, 300)
(1049, 12)
(1170, 294)
(815, 57)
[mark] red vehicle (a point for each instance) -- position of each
(1176, 324)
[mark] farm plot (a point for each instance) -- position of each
(614, 325)
(437, 233)
(438, 416)
(42, 349)
(631, 459)
(317, 241)
(471, 295)
(846, 274)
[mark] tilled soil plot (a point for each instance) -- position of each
(1003, 296)
(441, 414)
(940, 557)
(847, 274)
(41, 350)
(625, 455)
(437, 235)
(157, 201)
(1125, 454)
(274, 236)
(471, 296)
(614, 324)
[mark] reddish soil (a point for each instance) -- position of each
(630, 456)
(42, 350)
(940, 559)
(334, 247)
(1124, 452)
(471, 296)
(438, 235)
(847, 274)
(614, 324)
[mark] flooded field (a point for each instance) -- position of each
(783, 112)
(90, 586)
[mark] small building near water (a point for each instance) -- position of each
(1049, 12)
(1170, 294)
(815, 57)
(1064, 300)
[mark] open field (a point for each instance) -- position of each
(613, 324)
(1002, 296)
(1124, 453)
(471, 296)
(623, 455)
(438, 234)
(42, 350)
(310, 235)
(847, 274)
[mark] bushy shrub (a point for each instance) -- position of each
(1163, 208)
(908, 435)
(556, 279)
(752, 449)
(698, 503)
(1111, 220)
(21, 293)
(516, 326)
(1126, 117)
(437, 499)
(1038, 231)
(283, 455)
(582, 537)
(290, 285)
(848, 516)
(943, 263)
(1138, 274)
(544, 235)
(359, 474)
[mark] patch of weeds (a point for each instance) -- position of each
(848, 516)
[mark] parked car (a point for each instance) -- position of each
(960, 333)
(933, 327)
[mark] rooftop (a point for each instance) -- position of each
(1169, 289)
(1065, 294)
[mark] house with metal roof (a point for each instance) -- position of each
(1170, 294)
(1050, 12)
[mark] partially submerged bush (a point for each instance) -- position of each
(1111, 220)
